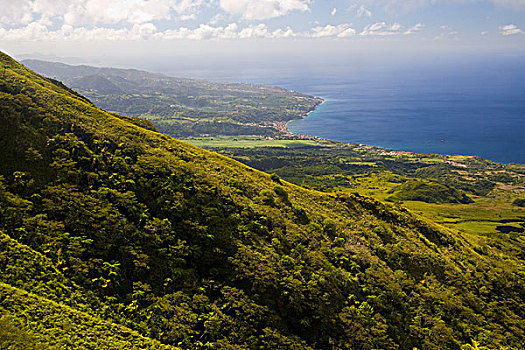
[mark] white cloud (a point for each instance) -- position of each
(144, 30)
(339, 31)
(231, 31)
(362, 11)
(381, 28)
(33, 31)
(258, 31)
(280, 33)
(187, 17)
(216, 19)
(186, 6)
(510, 29)
(15, 12)
(261, 31)
(384, 29)
(36, 31)
(94, 12)
(203, 32)
(263, 9)
(414, 29)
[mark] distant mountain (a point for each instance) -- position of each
(116, 236)
(183, 107)
(55, 58)
(96, 83)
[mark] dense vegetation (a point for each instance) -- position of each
(519, 202)
(117, 236)
(184, 107)
(417, 190)
(462, 192)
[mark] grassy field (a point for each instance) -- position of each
(247, 142)
(480, 217)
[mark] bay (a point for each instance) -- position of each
(470, 107)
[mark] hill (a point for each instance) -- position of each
(154, 241)
(184, 107)
(428, 192)
(466, 193)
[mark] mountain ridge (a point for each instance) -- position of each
(184, 107)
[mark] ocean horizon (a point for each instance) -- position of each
(468, 107)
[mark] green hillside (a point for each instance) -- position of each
(184, 107)
(465, 193)
(32, 322)
(116, 236)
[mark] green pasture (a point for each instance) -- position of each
(247, 142)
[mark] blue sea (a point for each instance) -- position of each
(468, 107)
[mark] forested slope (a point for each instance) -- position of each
(151, 240)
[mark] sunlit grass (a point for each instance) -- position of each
(480, 217)
(247, 142)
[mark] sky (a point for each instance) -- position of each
(118, 30)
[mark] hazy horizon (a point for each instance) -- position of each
(252, 34)
(210, 63)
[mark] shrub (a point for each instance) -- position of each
(520, 202)
(282, 193)
(275, 178)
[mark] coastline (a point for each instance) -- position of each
(382, 150)
(287, 130)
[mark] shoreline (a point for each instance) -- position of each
(304, 116)
(384, 151)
